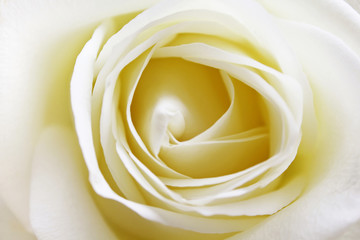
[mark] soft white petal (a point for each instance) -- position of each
(350, 233)
(355, 4)
(336, 17)
(10, 227)
(264, 204)
(60, 202)
(332, 201)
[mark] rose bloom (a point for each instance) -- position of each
(180, 119)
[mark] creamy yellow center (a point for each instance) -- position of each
(187, 102)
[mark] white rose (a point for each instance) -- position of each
(180, 119)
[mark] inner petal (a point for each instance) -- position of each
(245, 112)
(216, 158)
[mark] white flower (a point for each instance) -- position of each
(180, 119)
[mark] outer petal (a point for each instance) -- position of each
(332, 201)
(39, 41)
(10, 227)
(336, 17)
(355, 4)
(61, 203)
(353, 232)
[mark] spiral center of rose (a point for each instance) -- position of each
(197, 120)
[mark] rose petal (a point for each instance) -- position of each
(355, 4)
(61, 204)
(352, 232)
(332, 201)
(336, 17)
(214, 158)
(265, 204)
(10, 227)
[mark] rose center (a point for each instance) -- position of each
(198, 120)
